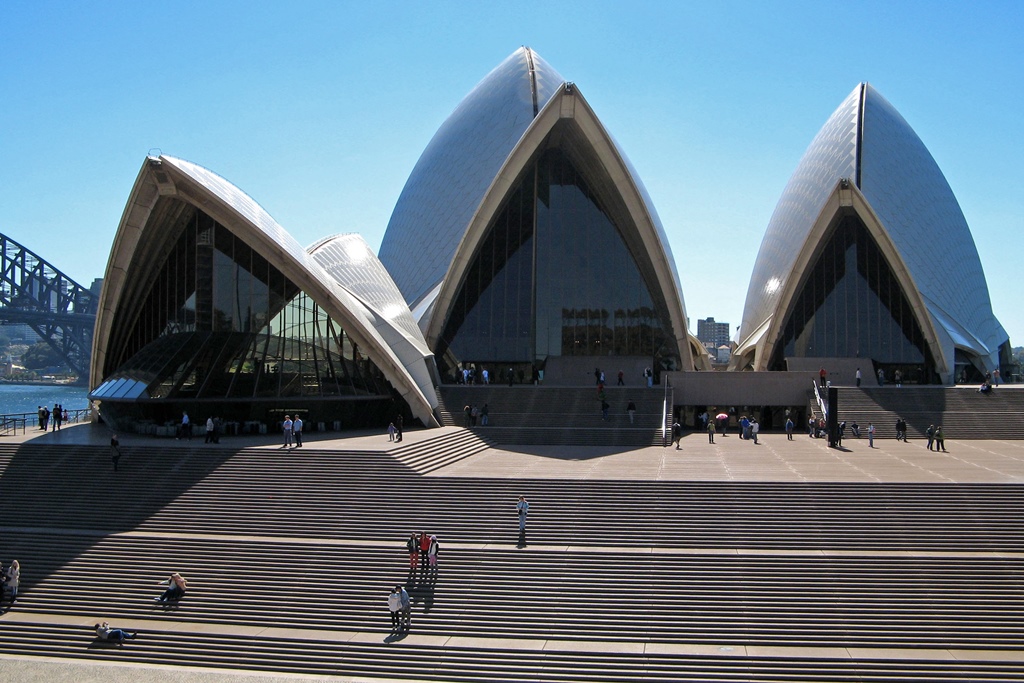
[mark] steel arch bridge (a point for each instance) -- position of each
(61, 311)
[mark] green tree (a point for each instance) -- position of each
(40, 355)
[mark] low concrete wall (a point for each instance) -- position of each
(741, 388)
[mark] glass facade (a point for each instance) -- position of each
(852, 306)
(553, 277)
(220, 323)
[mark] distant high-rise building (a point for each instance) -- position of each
(710, 332)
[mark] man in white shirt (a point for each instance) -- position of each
(287, 427)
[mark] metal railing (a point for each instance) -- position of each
(12, 422)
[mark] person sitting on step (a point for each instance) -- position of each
(176, 585)
(113, 635)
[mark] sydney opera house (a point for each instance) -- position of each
(524, 243)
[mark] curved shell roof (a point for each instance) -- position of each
(868, 142)
(366, 311)
(456, 168)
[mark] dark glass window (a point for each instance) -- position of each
(219, 322)
(552, 277)
(852, 306)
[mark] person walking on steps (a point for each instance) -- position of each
(403, 596)
(12, 577)
(522, 509)
(115, 450)
(395, 607)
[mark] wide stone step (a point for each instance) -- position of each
(312, 657)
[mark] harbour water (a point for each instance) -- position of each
(24, 398)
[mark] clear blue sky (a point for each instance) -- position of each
(319, 110)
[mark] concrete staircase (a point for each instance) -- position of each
(290, 556)
(962, 411)
(565, 416)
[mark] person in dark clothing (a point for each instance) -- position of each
(115, 450)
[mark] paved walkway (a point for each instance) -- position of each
(730, 458)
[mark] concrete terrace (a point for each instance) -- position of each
(774, 461)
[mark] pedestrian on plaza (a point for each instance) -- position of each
(413, 546)
(597, 376)
(286, 427)
(821, 376)
(930, 433)
(115, 450)
(711, 431)
(604, 410)
(395, 607)
(58, 414)
(789, 429)
(469, 415)
(677, 433)
(112, 635)
(630, 408)
(881, 377)
(871, 435)
(474, 413)
(209, 430)
(485, 416)
(810, 426)
(391, 431)
(900, 426)
(522, 509)
(622, 379)
(858, 377)
(754, 429)
(855, 428)
(46, 418)
(898, 378)
(940, 440)
(39, 412)
(297, 431)
(185, 430)
(842, 433)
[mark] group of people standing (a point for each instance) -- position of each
(58, 416)
(474, 415)
(292, 431)
(935, 438)
(422, 549)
